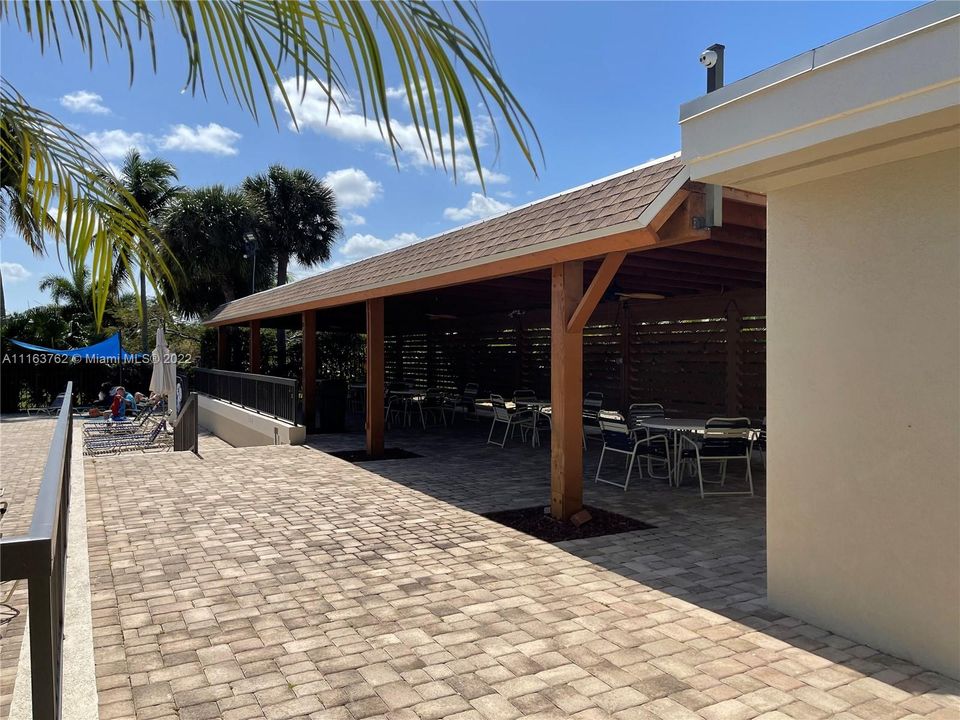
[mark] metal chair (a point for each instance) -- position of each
(464, 403)
(644, 411)
(592, 405)
(431, 407)
(724, 439)
(617, 438)
(511, 418)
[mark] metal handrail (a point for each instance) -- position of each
(264, 394)
(186, 426)
(40, 558)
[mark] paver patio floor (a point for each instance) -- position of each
(281, 582)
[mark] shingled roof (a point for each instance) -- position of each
(614, 204)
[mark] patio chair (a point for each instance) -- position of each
(521, 396)
(155, 439)
(644, 411)
(431, 407)
(511, 418)
(592, 405)
(397, 407)
(52, 409)
(132, 424)
(724, 439)
(463, 404)
(617, 438)
(761, 443)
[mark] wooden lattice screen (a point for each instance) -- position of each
(697, 356)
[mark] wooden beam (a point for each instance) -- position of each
(309, 378)
(744, 196)
(255, 348)
(601, 281)
(375, 381)
(222, 346)
(679, 227)
(566, 392)
(738, 213)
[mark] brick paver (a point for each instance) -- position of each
(279, 582)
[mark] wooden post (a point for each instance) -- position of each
(624, 357)
(222, 347)
(375, 334)
(309, 379)
(566, 392)
(733, 360)
(255, 348)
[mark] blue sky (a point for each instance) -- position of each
(602, 82)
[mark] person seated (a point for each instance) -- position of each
(118, 408)
(104, 397)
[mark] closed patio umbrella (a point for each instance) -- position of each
(163, 380)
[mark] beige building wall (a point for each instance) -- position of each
(863, 358)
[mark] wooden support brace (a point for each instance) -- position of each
(601, 281)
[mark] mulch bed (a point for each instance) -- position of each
(533, 521)
(358, 456)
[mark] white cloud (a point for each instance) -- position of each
(14, 272)
(354, 219)
(353, 187)
(346, 122)
(84, 101)
(472, 177)
(359, 246)
(477, 207)
(213, 138)
(114, 144)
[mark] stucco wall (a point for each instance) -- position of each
(243, 428)
(863, 360)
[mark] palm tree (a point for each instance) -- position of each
(251, 47)
(149, 183)
(73, 297)
(296, 216)
(205, 228)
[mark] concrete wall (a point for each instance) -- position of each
(243, 428)
(863, 359)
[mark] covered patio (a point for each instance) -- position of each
(645, 287)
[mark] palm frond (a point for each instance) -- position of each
(438, 49)
(60, 175)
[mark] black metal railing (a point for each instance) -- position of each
(261, 393)
(186, 426)
(39, 557)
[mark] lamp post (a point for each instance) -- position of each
(251, 248)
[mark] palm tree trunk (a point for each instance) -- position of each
(281, 333)
(144, 339)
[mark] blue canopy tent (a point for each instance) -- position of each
(108, 350)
